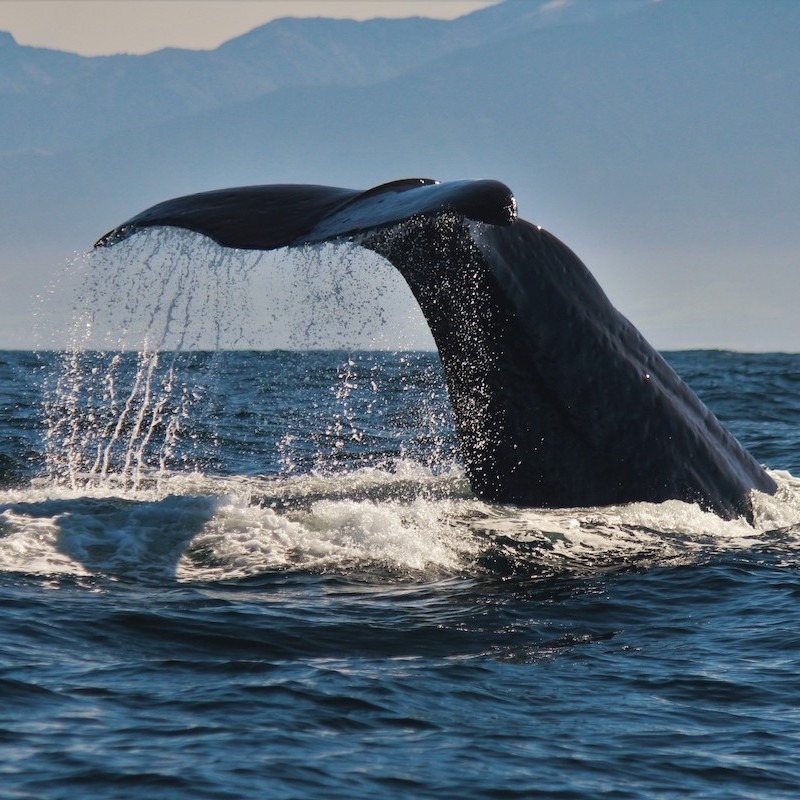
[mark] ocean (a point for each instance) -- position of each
(271, 580)
(239, 573)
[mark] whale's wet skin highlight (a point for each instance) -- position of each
(295, 592)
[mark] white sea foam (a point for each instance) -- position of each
(331, 535)
(199, 527)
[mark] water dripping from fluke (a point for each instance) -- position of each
(137, 387)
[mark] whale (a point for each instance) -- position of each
(558, 400)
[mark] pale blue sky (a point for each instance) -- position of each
(102, 27)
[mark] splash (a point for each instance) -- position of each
(115, 408)
(111, 419)
(120, 407)
(407, 523)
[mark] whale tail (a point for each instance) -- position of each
(558, 400)
(271, 217)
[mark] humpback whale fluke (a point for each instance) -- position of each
(558, 400)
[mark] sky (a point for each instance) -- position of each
(643, 278)
(105, 27)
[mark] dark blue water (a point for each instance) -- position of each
(263, 575)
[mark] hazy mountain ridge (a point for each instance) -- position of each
(55, 101)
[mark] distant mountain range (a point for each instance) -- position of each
(659, 139)
(55, 101)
